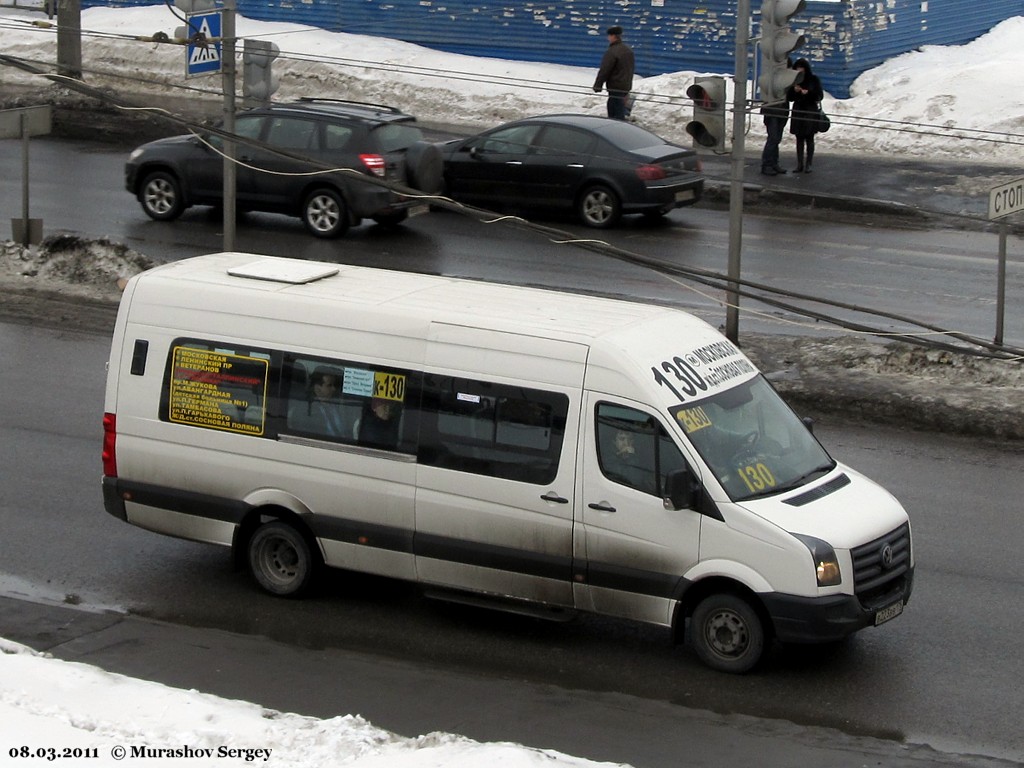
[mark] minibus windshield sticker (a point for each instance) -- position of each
(218, 390)
(466, 398)
(693, 419)
(712, 366)
(756, 476)
(358, 381)
(389, 386)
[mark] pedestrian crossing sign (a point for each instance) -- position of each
(203, 54)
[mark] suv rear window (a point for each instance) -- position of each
(396, 136)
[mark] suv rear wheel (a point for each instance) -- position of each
(325, 214)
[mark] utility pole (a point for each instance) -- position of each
(739, 117)
(69, 38)
(228, 73)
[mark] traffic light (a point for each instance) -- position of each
(258, 79)
(708, 125)
(195, 6)
(777, 42)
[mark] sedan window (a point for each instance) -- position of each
(514, 140)
(559, 140)
(629, 137)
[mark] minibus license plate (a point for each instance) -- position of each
(889, 612)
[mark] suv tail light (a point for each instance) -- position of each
(109, 437)
(650, 172)
(375, 164)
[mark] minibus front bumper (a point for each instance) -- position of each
(824, 619)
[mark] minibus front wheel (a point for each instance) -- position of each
(281, 559)
(727, 633)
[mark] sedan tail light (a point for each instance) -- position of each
(650, 172)
(375, 164)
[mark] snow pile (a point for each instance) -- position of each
(68, 263)
(48, 702)
(927, 103)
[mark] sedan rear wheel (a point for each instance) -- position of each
(599, 207)
(161, 196)
(324, 213)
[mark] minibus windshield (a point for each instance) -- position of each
(753, 442)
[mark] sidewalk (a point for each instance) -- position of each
(416, 699)
(953, 195)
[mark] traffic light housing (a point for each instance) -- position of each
(777, 42)
(708, 124)
(195, 6)
(258, 79)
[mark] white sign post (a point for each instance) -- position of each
(23, 123)
(1002, 201)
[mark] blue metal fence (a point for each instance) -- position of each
(844, 37)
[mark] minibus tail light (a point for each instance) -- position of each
(109, 437)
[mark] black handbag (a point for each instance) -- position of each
(823, 123)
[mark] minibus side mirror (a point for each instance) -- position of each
(681, 490)
(809, 423)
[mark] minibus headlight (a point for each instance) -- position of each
(826, 566)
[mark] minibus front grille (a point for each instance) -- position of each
(880, 566)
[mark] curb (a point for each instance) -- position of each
(754, 194)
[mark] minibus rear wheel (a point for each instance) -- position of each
(727, 633)
(281, 559)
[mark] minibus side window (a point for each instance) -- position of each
(217, 385)
(503, 431)
(350, 402)
(633, 448)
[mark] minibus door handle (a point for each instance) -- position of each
(552, 496)
(602, 506)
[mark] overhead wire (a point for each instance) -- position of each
(741, 287)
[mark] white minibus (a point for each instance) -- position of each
(529, 449)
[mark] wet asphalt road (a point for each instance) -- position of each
(896, 682)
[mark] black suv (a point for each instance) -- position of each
(169, 175)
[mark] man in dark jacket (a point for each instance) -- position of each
(775, 117)
(617, 73)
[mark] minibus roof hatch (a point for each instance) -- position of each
(283, 271)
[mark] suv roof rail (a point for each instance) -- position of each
(369, 105)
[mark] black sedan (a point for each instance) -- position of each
(598, 167)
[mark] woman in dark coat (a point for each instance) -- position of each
(803, 123)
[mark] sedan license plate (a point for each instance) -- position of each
(889, 612)
(418, 210)
(686, 194)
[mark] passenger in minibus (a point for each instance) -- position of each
(321, 411)
(380, 423)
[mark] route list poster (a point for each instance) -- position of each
(218, 390)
